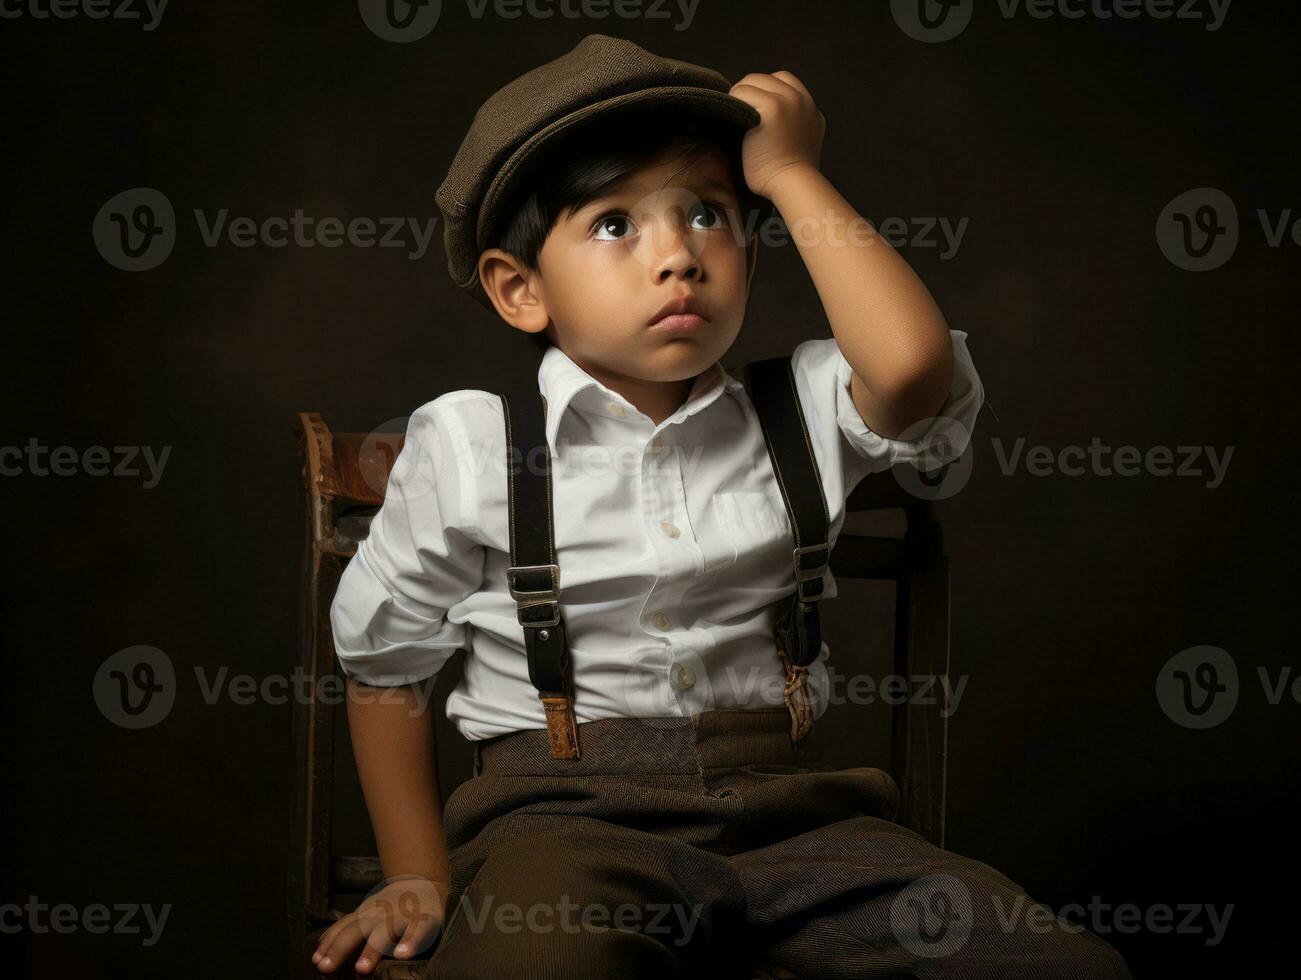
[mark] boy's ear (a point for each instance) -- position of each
(507, 282)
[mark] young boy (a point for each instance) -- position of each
(665, 812)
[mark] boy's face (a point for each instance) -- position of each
(666, 231)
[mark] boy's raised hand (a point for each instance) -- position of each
(408, 912)
(790, 128)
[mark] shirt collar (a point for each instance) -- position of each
(564, 385)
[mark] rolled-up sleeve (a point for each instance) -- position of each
(389, 614)
(846, 444)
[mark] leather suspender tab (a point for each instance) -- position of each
(562, 732)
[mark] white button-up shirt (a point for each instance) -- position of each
(674, 545)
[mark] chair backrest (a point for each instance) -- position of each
(344, 476)
(919, 567)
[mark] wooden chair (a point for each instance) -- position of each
(343, 479)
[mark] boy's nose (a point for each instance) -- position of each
(674, 249)
(680, 263)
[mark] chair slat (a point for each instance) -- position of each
(881, 490)
(356, 874)
(919, 742)
(867, 557)
(362, 463)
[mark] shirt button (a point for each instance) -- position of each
(656, 443)
(670, 529)
(684, 678)
(616, 409)
(662, 621)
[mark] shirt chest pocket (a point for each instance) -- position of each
(757, 532)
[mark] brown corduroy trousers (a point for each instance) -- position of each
(698, 847)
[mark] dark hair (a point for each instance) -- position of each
(582, 165)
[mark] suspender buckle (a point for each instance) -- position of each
(535, 598)
(810, 572)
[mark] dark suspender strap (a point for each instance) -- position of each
(533, 575)
(771, 385)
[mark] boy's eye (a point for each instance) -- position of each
(708, 211)
(611, 223)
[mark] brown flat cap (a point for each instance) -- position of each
(599, 75)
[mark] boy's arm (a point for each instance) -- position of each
(392, 635)
(392, 740)
(885, 322)
(884, 319)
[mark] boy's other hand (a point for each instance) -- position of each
(402, 919)
(790, 130)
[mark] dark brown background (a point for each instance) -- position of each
(1061, 140)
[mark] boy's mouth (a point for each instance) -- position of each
(680, 313)
(678, 322)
